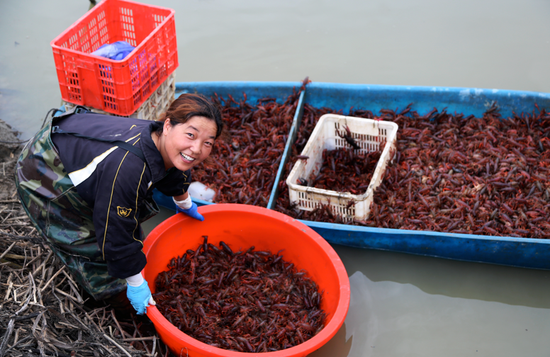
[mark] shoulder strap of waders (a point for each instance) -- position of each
(121, 144)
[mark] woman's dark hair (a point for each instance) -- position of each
(189, 105)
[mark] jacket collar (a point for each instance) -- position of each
(152, 154)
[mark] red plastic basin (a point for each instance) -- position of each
(243, 226)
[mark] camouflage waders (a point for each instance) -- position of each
(62, 217)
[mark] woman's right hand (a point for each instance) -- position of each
(139, 294)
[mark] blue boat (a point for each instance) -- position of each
(509, 251)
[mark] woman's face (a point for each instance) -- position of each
(186, 145)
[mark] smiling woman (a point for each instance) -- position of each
(186, 145)
(86, 182)
(190, 127)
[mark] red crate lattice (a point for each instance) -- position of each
(117, 87)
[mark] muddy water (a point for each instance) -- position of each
(401, 305)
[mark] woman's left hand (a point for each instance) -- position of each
(191, 212)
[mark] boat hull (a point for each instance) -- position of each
(509, 251)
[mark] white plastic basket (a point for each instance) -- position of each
(157, 103)
(368, 134)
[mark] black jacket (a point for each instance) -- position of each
(115, 182)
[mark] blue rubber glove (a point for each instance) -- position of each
(191, 212)
(140, 297)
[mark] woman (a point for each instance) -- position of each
(86, 181)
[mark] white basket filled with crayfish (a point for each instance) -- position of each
(334, 132)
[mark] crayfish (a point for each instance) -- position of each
(347, 136)
(245, 301)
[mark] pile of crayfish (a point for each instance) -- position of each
(243, 164)
(344, 170)
(246, 301)
(483, 175)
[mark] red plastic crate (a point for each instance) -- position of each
(117, 87)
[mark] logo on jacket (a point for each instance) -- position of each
(123, 211)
